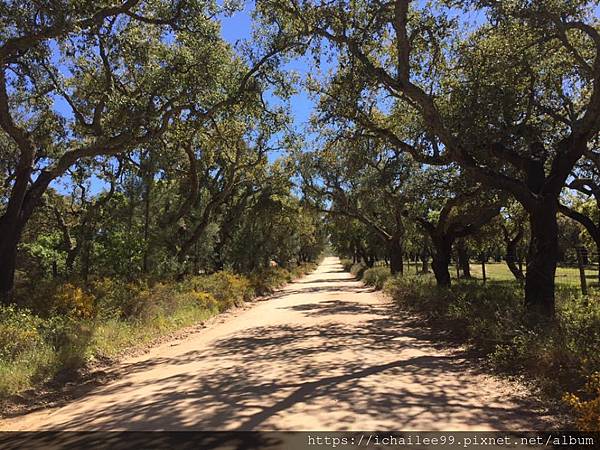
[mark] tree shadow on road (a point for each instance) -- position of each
(322, 290)
(378, 370)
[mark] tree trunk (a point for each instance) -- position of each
(511, 259)
(441, 259)
(70, 262)
(17, 213)
(86, 242)
(149, 180)
(425, 261)
(86, 259)
(598, 257)
(463, 258)
(9, 240)
(521, 265)
(145, 265)
(10, 236)
(396, 259)
(542, 259)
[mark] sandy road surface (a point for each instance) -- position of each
(323, 354)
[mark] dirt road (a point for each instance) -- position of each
(323, 354)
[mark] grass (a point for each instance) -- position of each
(77, 326)
(110, 338)
(498, 271)
(98, 340)
(564, 275)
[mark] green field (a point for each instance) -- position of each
(499, 272)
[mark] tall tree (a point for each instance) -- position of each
(515, 100)
(450, 210)
(84, 79)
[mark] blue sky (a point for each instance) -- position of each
(239, 27)
(234, 28)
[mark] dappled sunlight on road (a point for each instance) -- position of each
(325, 353)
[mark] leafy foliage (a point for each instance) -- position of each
(113, 315)
(588, 411)
(376, 276)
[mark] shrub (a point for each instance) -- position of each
(227, 288)
(113, 297)
(376, 276)
(302, 269)
(492, 318)
(73, 301)
(133, 300)
(358, 270)
(347, 264)
(266, 280)
(51, 297)
(73, 347)
(587, 411)
(34, 348)
(18, 332)
(202, 300)
(139, 305)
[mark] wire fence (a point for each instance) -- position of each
(580, 271)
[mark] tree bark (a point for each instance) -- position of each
(598, 253)
(86, 253)
(483, 272)
(9, 240)
(441, 259)
(396, 259)
(542, 259)
(149, 179)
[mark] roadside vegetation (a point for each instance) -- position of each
(561, 360)
(75, 325)
(139, 189)
(152, 173)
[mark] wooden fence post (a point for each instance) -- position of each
(580, 263)
(483, 268)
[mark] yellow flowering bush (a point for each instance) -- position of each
(587, 411)
(72, 300)
(206, 300)
(18, 331)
